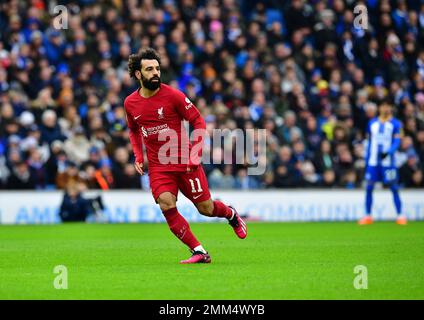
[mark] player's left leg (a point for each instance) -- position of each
(216, 208)
(194, 185)
(401, 218)
(391, 179)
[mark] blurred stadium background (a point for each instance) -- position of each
(298, 69)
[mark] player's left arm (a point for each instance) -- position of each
(189, 112)
(395, 139)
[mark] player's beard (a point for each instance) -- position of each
(149, 84)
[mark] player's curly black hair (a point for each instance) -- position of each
(134, 60)
(385, 100)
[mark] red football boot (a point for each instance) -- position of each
(197, 257)
(238, 224)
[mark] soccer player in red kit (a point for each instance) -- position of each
(155, 111)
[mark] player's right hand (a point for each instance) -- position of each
(139, 167)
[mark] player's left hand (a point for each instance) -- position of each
(191, 166)
(384, 155)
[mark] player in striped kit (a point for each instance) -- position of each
(383, 137)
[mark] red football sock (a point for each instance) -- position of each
(179, 226)
(221, 210)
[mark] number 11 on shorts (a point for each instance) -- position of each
(193, 187)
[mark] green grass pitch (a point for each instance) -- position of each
(275, 261)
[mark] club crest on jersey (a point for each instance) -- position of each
(160, 113)
(189, 103)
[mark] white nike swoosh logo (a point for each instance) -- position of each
(195, 197)
(135, 118)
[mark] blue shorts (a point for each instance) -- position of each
(387, 175)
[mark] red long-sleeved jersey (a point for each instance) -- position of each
(158, 122)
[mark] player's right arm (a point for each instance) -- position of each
(396, 137)
(136, 140)
(368, 143)
(395, 140)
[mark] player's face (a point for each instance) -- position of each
(385, 109)
(150, 74)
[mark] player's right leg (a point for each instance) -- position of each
(371, 176)
(367, 219)
(181, 229)
(164, 189)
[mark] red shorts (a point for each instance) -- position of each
(194, 185)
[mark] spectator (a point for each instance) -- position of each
(69, 175)
(55, 163)
(323, 160)
(405, 152)
(411, 173)
(222, 180)
(50, 129)
(285, 170)
(77, 147)
(74, 208)
(36, 166)
(245, 182)
(328, 178)
(124, 173)
(313, 134)
(21, 177)
(4, 170)
(308, 175)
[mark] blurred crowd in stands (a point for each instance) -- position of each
(299, 69)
